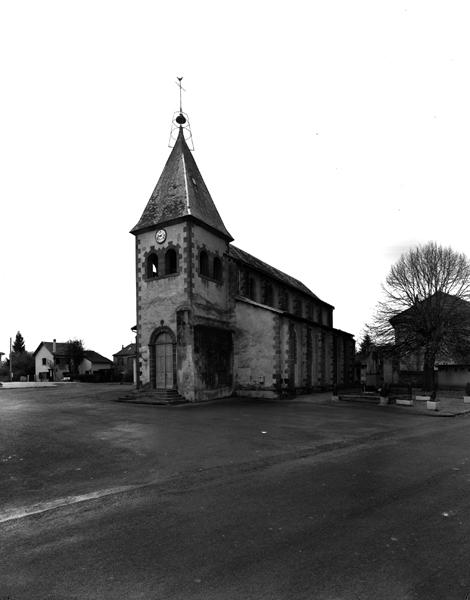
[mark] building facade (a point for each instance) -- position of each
(213, 320)
(52, 362)
(125, 363)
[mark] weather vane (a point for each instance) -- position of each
(178, 83)
(180, 121)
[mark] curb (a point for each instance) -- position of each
(404, 409)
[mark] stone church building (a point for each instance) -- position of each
(213, 320)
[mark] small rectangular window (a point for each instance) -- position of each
(310, 311)
(297, 307)
(44, 361)
(251, 288)
(283, 299)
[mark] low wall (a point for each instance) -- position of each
(26, 384)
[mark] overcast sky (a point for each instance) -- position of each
(331, 135)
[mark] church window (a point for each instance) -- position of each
(268, 294)
(243, 282)
(44, 362)
(297, 306)
(326, 317)
(251, 291)
(204, 263)
(316, 314)
(152, 266)
(171, 261)
(217, 268)
(283, 299)
(309, 310)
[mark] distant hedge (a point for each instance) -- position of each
(105, 376)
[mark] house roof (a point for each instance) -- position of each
(441, 301)
(94, 357)
(255, 263)
(61, 351)
(181, 192)
(128, 350)
(61, 348)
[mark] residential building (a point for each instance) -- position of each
(94, 363)
(440, 312)
(52, 363)
(125, 363)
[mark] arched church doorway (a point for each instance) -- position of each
(163, 360)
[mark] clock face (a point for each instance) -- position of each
(160, 236)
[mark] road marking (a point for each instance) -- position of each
(41, 507)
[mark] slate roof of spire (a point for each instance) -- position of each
(181, 192)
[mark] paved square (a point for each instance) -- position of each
(235, 499)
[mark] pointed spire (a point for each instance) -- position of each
(181, 192)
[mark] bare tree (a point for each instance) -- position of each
(425, 310)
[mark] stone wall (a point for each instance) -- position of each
(158, 298)
(277, 351)
(256, 350)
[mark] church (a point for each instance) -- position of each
(214, 321)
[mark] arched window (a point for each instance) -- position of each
(204, 263)
(217, 268)
(171, 261)
(152, 266)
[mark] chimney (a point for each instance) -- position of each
(54, 346)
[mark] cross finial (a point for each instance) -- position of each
(180, 121)
(178, 83)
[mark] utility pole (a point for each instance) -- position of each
(11, 366)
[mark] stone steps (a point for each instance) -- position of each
(154, 397)
(169, 396)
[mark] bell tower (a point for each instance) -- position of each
(184, 311)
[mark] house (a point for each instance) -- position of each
(439, 313)
(213, 320)
(453, 375)
(52, 363)
(93, 363)
(375, 366)
(125, 362)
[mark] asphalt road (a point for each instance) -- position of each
(241, 499)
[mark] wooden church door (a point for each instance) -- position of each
(164, 362)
